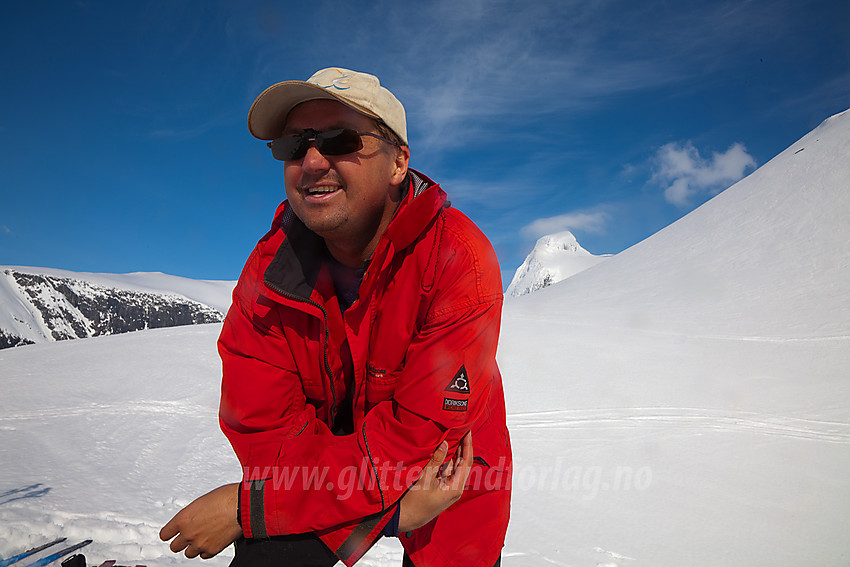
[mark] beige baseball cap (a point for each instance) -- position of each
(360, 91)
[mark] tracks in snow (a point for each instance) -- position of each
(691, 418)
(604, 418)
(117, 409)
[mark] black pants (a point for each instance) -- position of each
(298, 550)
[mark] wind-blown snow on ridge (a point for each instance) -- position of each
(555, 257)
(215, 293)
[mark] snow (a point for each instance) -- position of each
(684, 403)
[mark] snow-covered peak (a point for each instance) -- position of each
(554, 243)
(555, 257)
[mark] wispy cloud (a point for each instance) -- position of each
(487, 65)
(685, 174)
(5, 229)
(513, 71)
(587, 221)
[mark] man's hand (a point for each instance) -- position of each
(207, 525)
(439, 487)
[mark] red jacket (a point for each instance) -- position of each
(413, 359)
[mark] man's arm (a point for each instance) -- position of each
(208, 524)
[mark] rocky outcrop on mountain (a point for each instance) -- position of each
(9, 340)
(65, 308)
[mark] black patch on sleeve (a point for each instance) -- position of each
(460, 382)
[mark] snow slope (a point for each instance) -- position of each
(105, 438)
(554, 258)
(766, 258)
(664, 413)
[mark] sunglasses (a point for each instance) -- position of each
(331, 143)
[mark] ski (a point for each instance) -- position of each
(59, 554)
(29, 552)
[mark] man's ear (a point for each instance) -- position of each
(400, 163)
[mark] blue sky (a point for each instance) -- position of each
(123, 144)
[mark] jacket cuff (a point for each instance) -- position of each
(252, 509)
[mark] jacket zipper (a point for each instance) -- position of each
(288, 295)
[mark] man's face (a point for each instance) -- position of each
(349, 199)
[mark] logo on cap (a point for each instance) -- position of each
(339, 83)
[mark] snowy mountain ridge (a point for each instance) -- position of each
(42, 305)
(555, 257)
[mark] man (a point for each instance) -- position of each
(359, 352)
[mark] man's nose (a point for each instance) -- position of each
(314, 160)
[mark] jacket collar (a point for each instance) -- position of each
(419, 207)
(294, 270)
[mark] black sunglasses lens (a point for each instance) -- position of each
(287, 148)
(338, 142)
